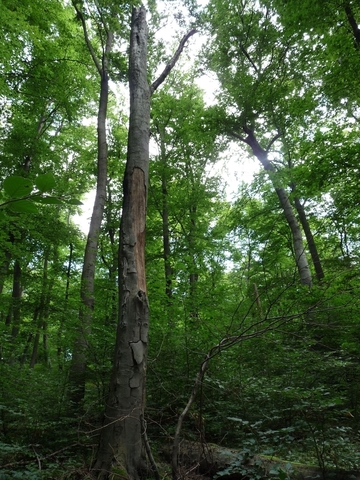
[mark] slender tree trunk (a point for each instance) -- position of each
(77, 373)
(166, 238)
(310, 239)
(79, 354)
(65, 308)
(165, 217)
(28, 342)
(112, 265)
(13, 317)
(121, 438)
(41, 312)
(299, 248)
(4, 268)
(194, 276)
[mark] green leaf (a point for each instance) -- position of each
(23, 206)
(45, 182)
(47, 200)
(274, 471)
(17, 187)
(73, 201)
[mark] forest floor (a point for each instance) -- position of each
(205, 462)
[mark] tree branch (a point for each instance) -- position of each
(272, 141)
(353, 24)
(253, 143)
(249, 58)
(87, 39)
(235, 135)
(172, 62)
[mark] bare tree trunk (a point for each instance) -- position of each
(299, 248)
(79, 355)
(121, 439)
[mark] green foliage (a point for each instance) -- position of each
(22, 195)
(289, 386)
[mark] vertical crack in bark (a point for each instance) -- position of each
(139, 215)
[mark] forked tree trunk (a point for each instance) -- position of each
(121, 438)
(299, 248)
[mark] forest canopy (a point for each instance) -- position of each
(186, 320)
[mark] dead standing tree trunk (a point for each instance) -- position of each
(299, 248)
(121, 436)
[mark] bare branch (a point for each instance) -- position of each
(172, 62)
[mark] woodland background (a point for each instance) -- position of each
(261, 288)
